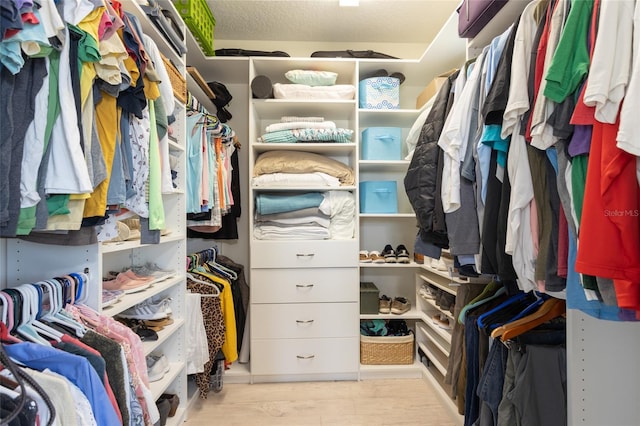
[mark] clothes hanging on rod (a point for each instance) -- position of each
(214, 326)
(79, 341)
(530, 150)
(213, 188)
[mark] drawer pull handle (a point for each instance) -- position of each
(305, 356)
(304, 285)
(309, 321)
(305, 255)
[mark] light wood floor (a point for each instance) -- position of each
(368, 402)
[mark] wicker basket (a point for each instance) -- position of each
(386, 350)
(178, 82)
(198, 17)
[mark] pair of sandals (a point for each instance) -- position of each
(383, 73)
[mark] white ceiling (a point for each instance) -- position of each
(278, 25)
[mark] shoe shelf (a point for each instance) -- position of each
(160, 386)
(388, 265)
(179, 418)
(107, 248)
(412, 314)
(163, 335)
(436, 358)
(438, 335)
(128, 300)
(432, 304)
(438, 281)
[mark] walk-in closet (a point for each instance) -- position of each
(323, 212)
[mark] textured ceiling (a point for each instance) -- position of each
(374, 21)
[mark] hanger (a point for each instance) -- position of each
(482, 319)
(197, 280)
(463, 313)
(55, 314)
(25, 327)
(550, 309)
(33, 302)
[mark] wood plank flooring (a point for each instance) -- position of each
(368, 402)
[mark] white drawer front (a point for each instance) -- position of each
(304, 285)
(304, 254)
(305, 356)
(308, 320)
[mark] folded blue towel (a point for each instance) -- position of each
(280, 203)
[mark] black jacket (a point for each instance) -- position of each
(423, 181)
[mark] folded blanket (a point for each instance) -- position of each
(300, 125)
(308, 135)
(291, 118)
(302, 91)
(296, 179)
(301, 221)
(268, 232)
(302, 162)
(278, 203)
(294, 214)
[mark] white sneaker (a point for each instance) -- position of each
(157, 367)
(148, 310)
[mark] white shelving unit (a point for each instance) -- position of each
(304, 296)
(19, 257)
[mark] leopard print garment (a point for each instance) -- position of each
(214, 326)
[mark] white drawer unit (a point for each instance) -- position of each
(304, 356)
(304, 254)
(305, 320)
(304, 285)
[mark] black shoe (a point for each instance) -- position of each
(389, 254)
(164, 407)
(402, 254)
(468, 271)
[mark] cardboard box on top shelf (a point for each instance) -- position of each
(432, 88)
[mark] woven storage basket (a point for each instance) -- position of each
(198, 17)
(178, 82)
(386, 350)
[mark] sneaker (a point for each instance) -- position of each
(126, 284)
(441, 321)
(376, 257)
(402, 254)
(109, 297)
(364, 257)
(384, 304)
(400, 305)
(157, 367)
(427, 292)
(148, 310)
(439, 264)
(389, 254)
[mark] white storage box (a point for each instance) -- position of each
(382, 143)
(380, 93)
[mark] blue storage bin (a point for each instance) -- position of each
(379, 93)
(382, 143)
(378, 196)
